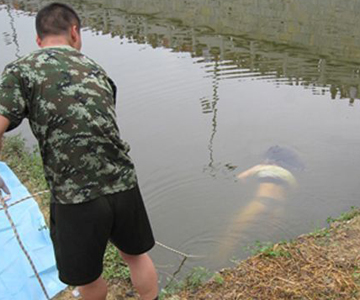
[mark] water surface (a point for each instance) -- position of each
(205, 88)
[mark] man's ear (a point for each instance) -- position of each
(38, 41)
(75, 37)
(74, 32)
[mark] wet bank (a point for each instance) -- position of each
(320, 265)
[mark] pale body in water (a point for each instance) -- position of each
(275, 182)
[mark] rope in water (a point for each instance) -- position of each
(178, 252)
(5, 208)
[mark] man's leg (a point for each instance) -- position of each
(132, 235)
(143, 275)
(95, 290)
(80, 233)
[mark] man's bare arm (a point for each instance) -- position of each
(4, 124)
(249, 172)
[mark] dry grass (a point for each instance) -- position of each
(325, 265)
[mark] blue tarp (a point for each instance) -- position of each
(17, 279)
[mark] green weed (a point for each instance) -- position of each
(320, 232)
(193, 280)
(26, 164)
(269, 249)
(173, 287)
(356, 275)
(197, 277)
(346, 216)
(218, 279)
(114, 266)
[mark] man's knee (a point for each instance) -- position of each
(131, 258)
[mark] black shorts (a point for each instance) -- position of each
(80, 233)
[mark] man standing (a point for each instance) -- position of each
(70, 103)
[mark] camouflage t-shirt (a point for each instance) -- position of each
(70, 103)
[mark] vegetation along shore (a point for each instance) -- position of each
(324, 264)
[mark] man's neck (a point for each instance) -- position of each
(54, 41)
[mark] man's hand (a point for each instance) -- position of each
(4, 124)
(3, 187)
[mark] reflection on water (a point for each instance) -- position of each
(209, 106)
(12, 38)
(308, 43)
(205, 87)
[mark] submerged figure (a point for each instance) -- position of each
(274, 174)
(275, 181)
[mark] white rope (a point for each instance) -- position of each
(26, 198)
(178, 252)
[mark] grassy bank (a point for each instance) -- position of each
(322, 265)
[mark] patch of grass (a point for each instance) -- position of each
(197, 277)
(22, 160)
(114, 266)
(26, 164)
(172, 288)
(356, 275)
(269, 249)
(346, 216)
(193, 280)
(320, 232)
(218, 279)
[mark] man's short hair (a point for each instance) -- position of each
(56, 19)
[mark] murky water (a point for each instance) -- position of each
(205, 88)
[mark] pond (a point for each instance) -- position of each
(205, 89)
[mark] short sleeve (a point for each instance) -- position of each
(113, 88)
(12, 102)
